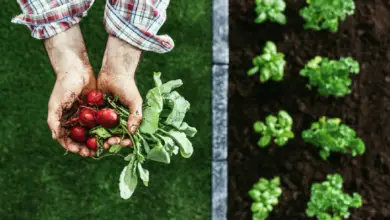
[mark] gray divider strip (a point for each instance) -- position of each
(219, 104)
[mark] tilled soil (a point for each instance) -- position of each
(363, 36)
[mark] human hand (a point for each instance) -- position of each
(75, 77)
(117, 77)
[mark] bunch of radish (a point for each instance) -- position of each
(89, 116)
(162, 134)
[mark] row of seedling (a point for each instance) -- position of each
(330, 78)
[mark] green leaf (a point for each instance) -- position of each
(261, 18)
(143, 174)
(259, 127)
(100, 147)
(281, 141)
(279, 18)
(182, 141)
(159, 154)
(100, 132)
(188, 130)
(115, 148)
(264, 141)
(152, 109)
(253, 71)
(169, 144)
(167, 87)
(128, 181)
(265, 74)
(179, 106)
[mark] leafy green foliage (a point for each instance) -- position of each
(325, 14)
(330, 76)
(328, 197)
(278, 127)
(331, 136)
(270, 10)
(162, 134)
(265, 194)
(270, 64)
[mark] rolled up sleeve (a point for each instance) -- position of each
(137, 22)
(46, 18)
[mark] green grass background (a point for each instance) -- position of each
(38, 182)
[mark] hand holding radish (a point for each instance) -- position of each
(101, 121)
(75, 78)
(117, 77)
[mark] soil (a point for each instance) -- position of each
(363, 36)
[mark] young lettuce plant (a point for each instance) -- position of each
(270, 64)
(277, 127)
(329, 202)
(325, 14)
(329, 135)
(270, 10)
(265, 194)
(330, 76)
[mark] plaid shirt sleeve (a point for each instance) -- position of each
(134, 21)
(137, 22)
(46, 18)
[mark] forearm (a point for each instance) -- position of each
(67, 49)
(121, 56)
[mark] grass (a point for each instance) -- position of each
(38, 182)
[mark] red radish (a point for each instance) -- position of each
(78, 133)
(95, 98)
(107, 118)
(87, 117)
(92, 143)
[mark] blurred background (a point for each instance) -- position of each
(38, 182)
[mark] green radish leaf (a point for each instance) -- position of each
(100, 147)
(169, 144)
(143, 174)
(129, 157)
(154, 106)
(167, 87)
(182, 141)
(188, 130)
(159, 154)
(157, 79)
(115, 148)
(100, 132)
(127, 182)
(179, 108)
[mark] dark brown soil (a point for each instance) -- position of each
(365, 37)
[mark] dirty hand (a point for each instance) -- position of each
(117, 77)
(75, 77)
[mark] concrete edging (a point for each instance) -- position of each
(220, 78)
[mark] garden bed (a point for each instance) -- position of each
(363, 36)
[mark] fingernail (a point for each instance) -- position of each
(53, 134)
(133, 129)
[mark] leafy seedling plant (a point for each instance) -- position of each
(278, 128)
(270, 64)
(329, 135)
(161, 135)
(326, 14)
(330, 76)
(270, 10)
(329, 202)
(265, 194)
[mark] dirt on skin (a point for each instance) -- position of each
(363, 36)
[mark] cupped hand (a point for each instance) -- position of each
(117, 77)
(75, 78)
